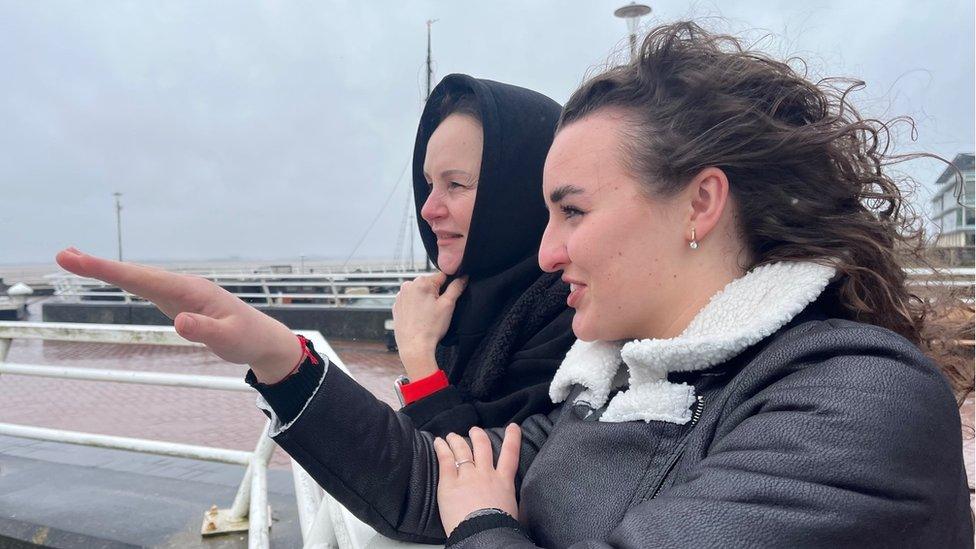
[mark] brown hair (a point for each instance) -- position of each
(805, 169)
(465, 103)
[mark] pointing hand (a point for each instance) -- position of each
(202, 311)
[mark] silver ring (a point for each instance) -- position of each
(458, 464)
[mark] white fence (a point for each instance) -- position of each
(324, 523)
(298, 290)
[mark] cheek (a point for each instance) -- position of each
(465, 209)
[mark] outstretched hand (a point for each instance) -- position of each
(202, 311)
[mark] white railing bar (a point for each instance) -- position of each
(219, 383)
(261, 295)
(94, 333)
(259, 277)
(262, 453)
(220, 455)
(257, 532)
(951, 271)
(937, 282)
(308, 496)
(295, 284)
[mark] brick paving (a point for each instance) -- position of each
(190, 416)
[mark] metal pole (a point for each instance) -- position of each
(220, 455)
(262, 455)
(257, 533)
(430, 72)
(118, 220)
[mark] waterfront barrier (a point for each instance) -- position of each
(295, 290)
(324, 523)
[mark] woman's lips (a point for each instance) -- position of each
(576, 292)
(446, 240)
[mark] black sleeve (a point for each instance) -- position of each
(288, 397)
(448, 411)
(371, 459)
(521, 392)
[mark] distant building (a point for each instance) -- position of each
(952, 212)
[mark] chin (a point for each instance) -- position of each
(582, 330)
(447, 263)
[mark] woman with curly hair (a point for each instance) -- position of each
(748, 371)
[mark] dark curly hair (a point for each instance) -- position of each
(805, 169)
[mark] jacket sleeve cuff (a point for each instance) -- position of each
(481, 521)
(422, 388)
(425, 409)
(289, 396)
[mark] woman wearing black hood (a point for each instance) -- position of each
(487, 358)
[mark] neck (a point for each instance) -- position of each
(704, 275)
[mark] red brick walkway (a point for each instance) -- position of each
(191, 416)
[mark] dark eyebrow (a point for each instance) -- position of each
(562, 192)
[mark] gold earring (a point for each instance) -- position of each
(694, 242)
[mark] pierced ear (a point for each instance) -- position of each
(709, 198)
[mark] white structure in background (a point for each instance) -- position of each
(952, 212)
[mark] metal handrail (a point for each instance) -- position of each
(322, 520)
(325, 289)
(249, 508)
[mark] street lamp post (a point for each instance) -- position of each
(632, 13)
(118, 220)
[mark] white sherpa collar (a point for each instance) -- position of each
(745, 312)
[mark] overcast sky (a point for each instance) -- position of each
(273, 129)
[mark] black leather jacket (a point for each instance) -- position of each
(829, 433)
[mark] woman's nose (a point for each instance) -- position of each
(552, 252)
(433, 208)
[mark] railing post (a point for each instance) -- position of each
(262, 453)
(4, 349)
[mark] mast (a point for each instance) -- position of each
(430, 78)
(118, 220)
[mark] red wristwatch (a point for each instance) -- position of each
(412, 391)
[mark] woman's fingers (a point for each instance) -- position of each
(508, 456)
(481, 448)
(461, 450)
(455, 289)
(153, 284)
(445, 459)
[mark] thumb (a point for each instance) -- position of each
(437, 280)
(455, 289)
(198, 328)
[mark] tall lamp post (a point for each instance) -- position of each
(118, 220)
(632, 13)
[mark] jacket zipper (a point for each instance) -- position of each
(695, 416)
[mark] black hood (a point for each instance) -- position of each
(509, 212)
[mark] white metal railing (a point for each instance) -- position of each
(326, 523)
(323, 522)
(296, 290)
